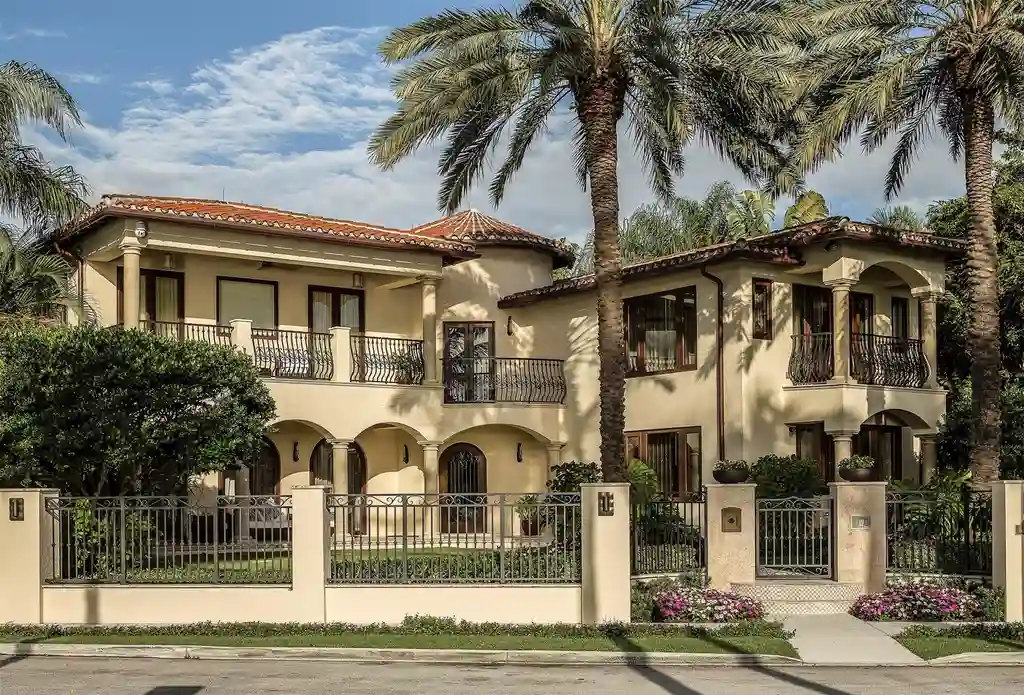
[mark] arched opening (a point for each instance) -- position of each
(265, 475)
(463, 482)
(321, 467)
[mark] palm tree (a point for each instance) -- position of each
(810, 206)
(899, 69)
(898, 217)
(672, 70)
(31, 189)
(34, 280)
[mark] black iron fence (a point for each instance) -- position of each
(939, 532)
(794, 537)
(293, 354)
(384, 360)
(888, 361)
(492, 538)
(810, 361)
(668, 536)
(170, 540)
(201, 332)
(503, 380)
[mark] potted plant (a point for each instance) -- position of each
(528, 509)
(857, 468)
(731, 472)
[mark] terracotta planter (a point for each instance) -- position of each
(731, 476)
(857, 475)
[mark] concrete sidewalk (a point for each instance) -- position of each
(842, 640)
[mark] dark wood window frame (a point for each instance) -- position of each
(869, 300)
(469, 381)
(148, 276)
(273, 283)
(811, 302)
(637, 448)
(824, 453)
(900, 328)
(685, 328)
(336, 293)
(763, 329)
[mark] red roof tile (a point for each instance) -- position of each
(263, 219)
(470, 225)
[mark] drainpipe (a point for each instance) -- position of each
(719, 358)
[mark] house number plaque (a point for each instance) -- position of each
(605, 504)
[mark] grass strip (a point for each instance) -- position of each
(936, 647)
(682, 644)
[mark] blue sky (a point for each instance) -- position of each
(271, 103)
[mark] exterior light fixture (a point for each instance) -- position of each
(295, 451)
(519, 452)
(357, 280)
(405, 453)
(508, 326)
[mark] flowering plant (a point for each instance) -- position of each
(728, 465)
(856, 462)
(700, 605)
(917, 602)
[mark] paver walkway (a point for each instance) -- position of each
(842, 639)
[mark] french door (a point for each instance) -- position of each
(469, 364)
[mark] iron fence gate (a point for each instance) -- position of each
(668, 536)
(795, 537)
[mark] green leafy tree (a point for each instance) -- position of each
(894, 71)
(100, 411)
(673, 71)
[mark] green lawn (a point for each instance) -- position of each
(639, 644)
(935, 647)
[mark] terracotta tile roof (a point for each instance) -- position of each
(261, 219)
(776, 247)
(473, 226)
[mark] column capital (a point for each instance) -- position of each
(554, 446)
(429, 281)
(842, 434)
(130, 247)
(926, 294)
(426, 444)
(929, 437)
(340, 443)
(841, 284)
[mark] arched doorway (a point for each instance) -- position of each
(463, 479)
(881, 438)
(321, 467)
(265, 476)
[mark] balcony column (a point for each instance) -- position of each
(132, 256)
(430, 331)
(339, 484)
(431, 489)
(927, 307)
(554, 457)
(341, 353)
(929, 456)
(841, 331)
(241, 335)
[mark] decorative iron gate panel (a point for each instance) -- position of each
(795, 537)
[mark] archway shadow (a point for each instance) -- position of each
(652, 674)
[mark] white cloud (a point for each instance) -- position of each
(83, 78)
(33, 33)
(285, 124)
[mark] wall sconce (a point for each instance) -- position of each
(405, 453)
(508, 326)
(295, 451)
(519, 452)
(357, 280)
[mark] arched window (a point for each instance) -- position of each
(463, 473)
(321, 467)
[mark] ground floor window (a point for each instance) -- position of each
(813, 442)
(673, 454)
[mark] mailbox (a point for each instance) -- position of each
(732, 520)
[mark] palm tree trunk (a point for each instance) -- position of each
(597, 113)
(982, 265)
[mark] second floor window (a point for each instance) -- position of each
(661, 331)
(330, 306)
(469, 363)
(900, 318)
(762, 308)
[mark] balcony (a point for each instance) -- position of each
(879, 360)
(504, 380)
(201, 332)
(386, 360)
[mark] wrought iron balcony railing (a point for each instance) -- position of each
(385, 360)
(885, 360)
(503, 380)
(810, 362)
(202, 332)
(293, 354)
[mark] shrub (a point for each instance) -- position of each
(787, 476)
(643, 482)
(522, 564)
(642, 593)
(730, 465)
(856, 462)
(568, 476)
(703, 605)
(918, 602)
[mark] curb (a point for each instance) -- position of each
(981, 659)
(386, 656)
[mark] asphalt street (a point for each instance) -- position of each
(46, 676)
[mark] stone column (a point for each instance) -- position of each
(841, 330)
(311, 552)
(1008, 544)
(241, 335)
(605, 559)
(431, 489)
(430, 331)
(929, 456)
(843, 441)
(730, 540)
(341, 353)
(859, 555)
(554, 456)
(928, 337)
(339, 483)
(242, 492)
(132, 256)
